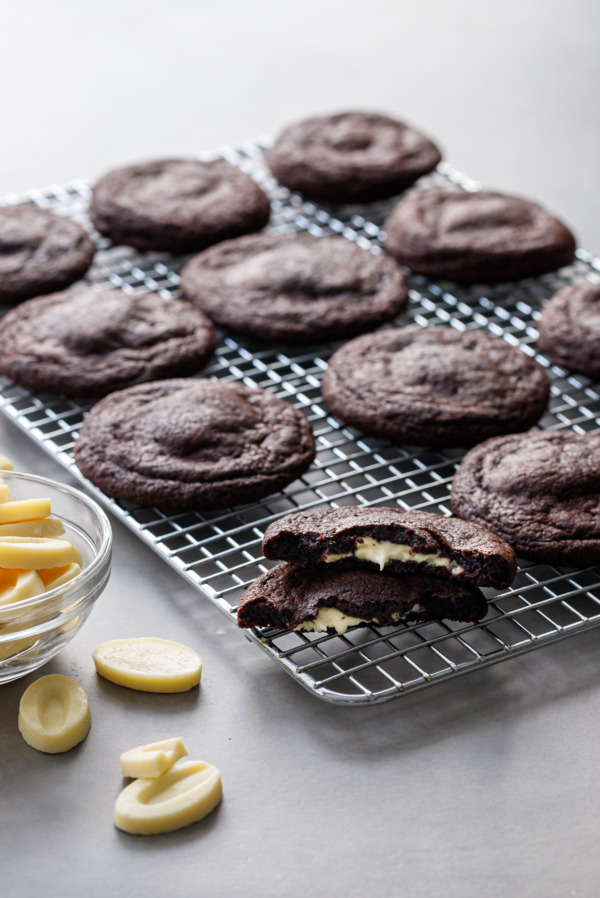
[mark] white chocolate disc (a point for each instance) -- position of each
(54, 714)
(24, 510)
(149, 664)
(32, 552)
(187, 792)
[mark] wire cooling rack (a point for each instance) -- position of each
(219, 552)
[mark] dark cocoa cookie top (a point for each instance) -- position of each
(351, 157)
(480, 237)
(89, 344)
(294, 289)
(288, 596)
(392, 539)
(184, 444)
(569, 329)
(177, 205)
(538, 491)
(40, 252)
(434, 386)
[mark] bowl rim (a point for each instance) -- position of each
(99, 560)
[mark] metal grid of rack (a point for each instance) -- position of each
(219, 552)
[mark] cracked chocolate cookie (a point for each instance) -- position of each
(193, 444)
(538, 491)
(177, 205)
(89, 344)
(479, 237)
(391, 540)
(40, 252)
(351, 157)
(290, 597)
(434, 386)
(569, 329)
(294, 289)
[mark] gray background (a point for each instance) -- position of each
(486, 786)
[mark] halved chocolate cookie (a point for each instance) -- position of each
(291, 597)
(480, 237)
(94, 342)
(295, 289)
(177, 205)
(193, 443)
(40, 252)
(435, 386)
(351, 157)
(391, 540)
(538, 491)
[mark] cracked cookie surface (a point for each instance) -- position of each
(434, 386)
(193, 443)
(94, 342)
(177, 205)
(351, 157)
(476, 237)
(569, 329)
(40, 252)
(539, 491)
(295, 289)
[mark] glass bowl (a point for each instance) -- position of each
(34, 630)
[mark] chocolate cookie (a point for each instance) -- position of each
(434, 386)
(479, 237)
(294, 289)
(289, 597)
(193, 444)
(393, 540)
(39, 252)
(89, 344)
(352, 157)
(177, 205)
(569, 329)
(538, 491)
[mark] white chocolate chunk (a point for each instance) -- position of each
(5, 495)
(149, 664)
(33, 553)
(330, 618)
(24, 510)
(54, 714)
(44, 527)
(26, 585)
(380, 552)
(58, 576)
(184, 794)
(5, 463)
(150, 761)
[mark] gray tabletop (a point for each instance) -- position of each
(482, 786)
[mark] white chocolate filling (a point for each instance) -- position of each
(334, 619)
(330, 618)
(382, 552)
